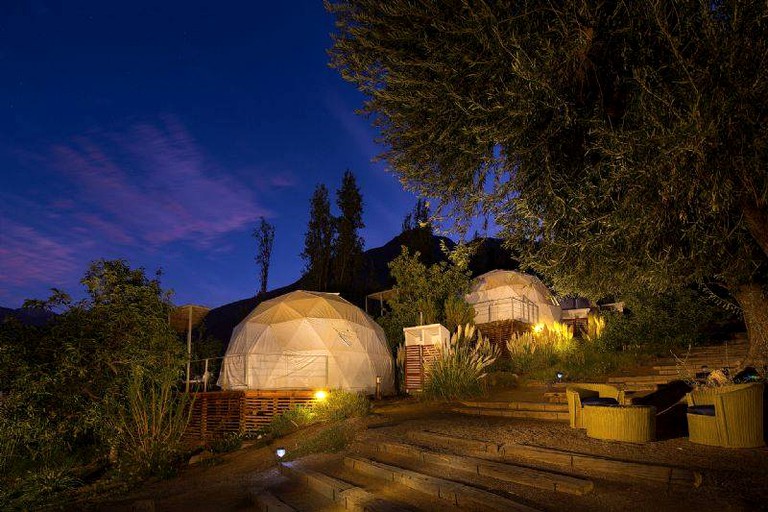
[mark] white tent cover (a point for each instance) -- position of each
(308, 340)
(497, 286)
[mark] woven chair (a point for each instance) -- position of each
(580, 393)
(629, 423)
(727, 416)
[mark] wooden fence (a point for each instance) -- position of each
(218, 413)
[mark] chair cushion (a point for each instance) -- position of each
(599, 401)
(702, 410)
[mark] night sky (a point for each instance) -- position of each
(160, 131)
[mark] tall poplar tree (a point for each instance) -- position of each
(265, 237)
(318, 241)
(348, 246)
(619, 144)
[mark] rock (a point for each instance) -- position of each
(200, 457)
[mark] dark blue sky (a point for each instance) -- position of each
(160, 131)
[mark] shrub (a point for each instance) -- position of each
(149, 429)
(340, 405)
(290, 421)
(228, 442)
(332, 439)
(459, 366)
(656, 324)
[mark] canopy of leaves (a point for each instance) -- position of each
(318, 240)
(64, 383)
(426, 294)
(265, 238)
(619, 144)
(348, 246)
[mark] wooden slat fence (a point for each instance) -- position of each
(218, 413)
(417, 361)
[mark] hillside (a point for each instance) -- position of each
(490, 255)
(27, 316)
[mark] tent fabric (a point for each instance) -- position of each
(308, 340)
(498, 286)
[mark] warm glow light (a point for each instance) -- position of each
(321, 395)
(538, 328)
(280, 452)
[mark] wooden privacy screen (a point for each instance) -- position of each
(218, 413)
(417, 361)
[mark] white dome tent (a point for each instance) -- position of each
(511, 295)
(307, 340)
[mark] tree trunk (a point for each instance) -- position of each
(757, 224)
(754, 304)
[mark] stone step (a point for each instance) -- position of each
(572, 462)
(268, 502)
(653, 379)
(556, 397)
(345, 494)
(514, 413)
(461, 495)
(485, 468)
(517, 406)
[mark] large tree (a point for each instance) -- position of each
(265, 237)
(318, 240)
(348, 246)
(619, 144)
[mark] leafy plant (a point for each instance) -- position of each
(340, 405)
(149, 429)
(290, 421)
(459, 366)
(225, 443)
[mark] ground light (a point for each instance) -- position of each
(559, 376)
(320, 395)
(280, 452)
(538, 328)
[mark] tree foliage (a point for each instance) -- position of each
(620, 145)
(426, 294)
(318, 240)
(65, 384)
(348, 245)
(265, 237)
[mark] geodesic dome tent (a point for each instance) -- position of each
(511, 295)
(308, 340)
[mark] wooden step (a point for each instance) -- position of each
(613, 469)
(456, 493)
(513, 413)
(483, 467)
(347, 495)
(517, 406)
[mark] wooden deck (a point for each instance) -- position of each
(220, 412)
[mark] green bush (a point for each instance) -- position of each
(459, 367)
(340, 405)
(149, 428)
(332, 439)
(38, 489)
(291, 420)
(228, 442)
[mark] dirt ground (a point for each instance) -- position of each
(732, 479)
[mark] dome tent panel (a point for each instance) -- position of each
(507, 294)
(295, 338)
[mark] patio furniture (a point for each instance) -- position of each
(728, 416)
(582, 394)
(628, 423)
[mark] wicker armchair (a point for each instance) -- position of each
(577, 394)
(727, 416)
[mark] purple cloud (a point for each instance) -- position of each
(155, 185)
(27, 255)
(133, 193)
